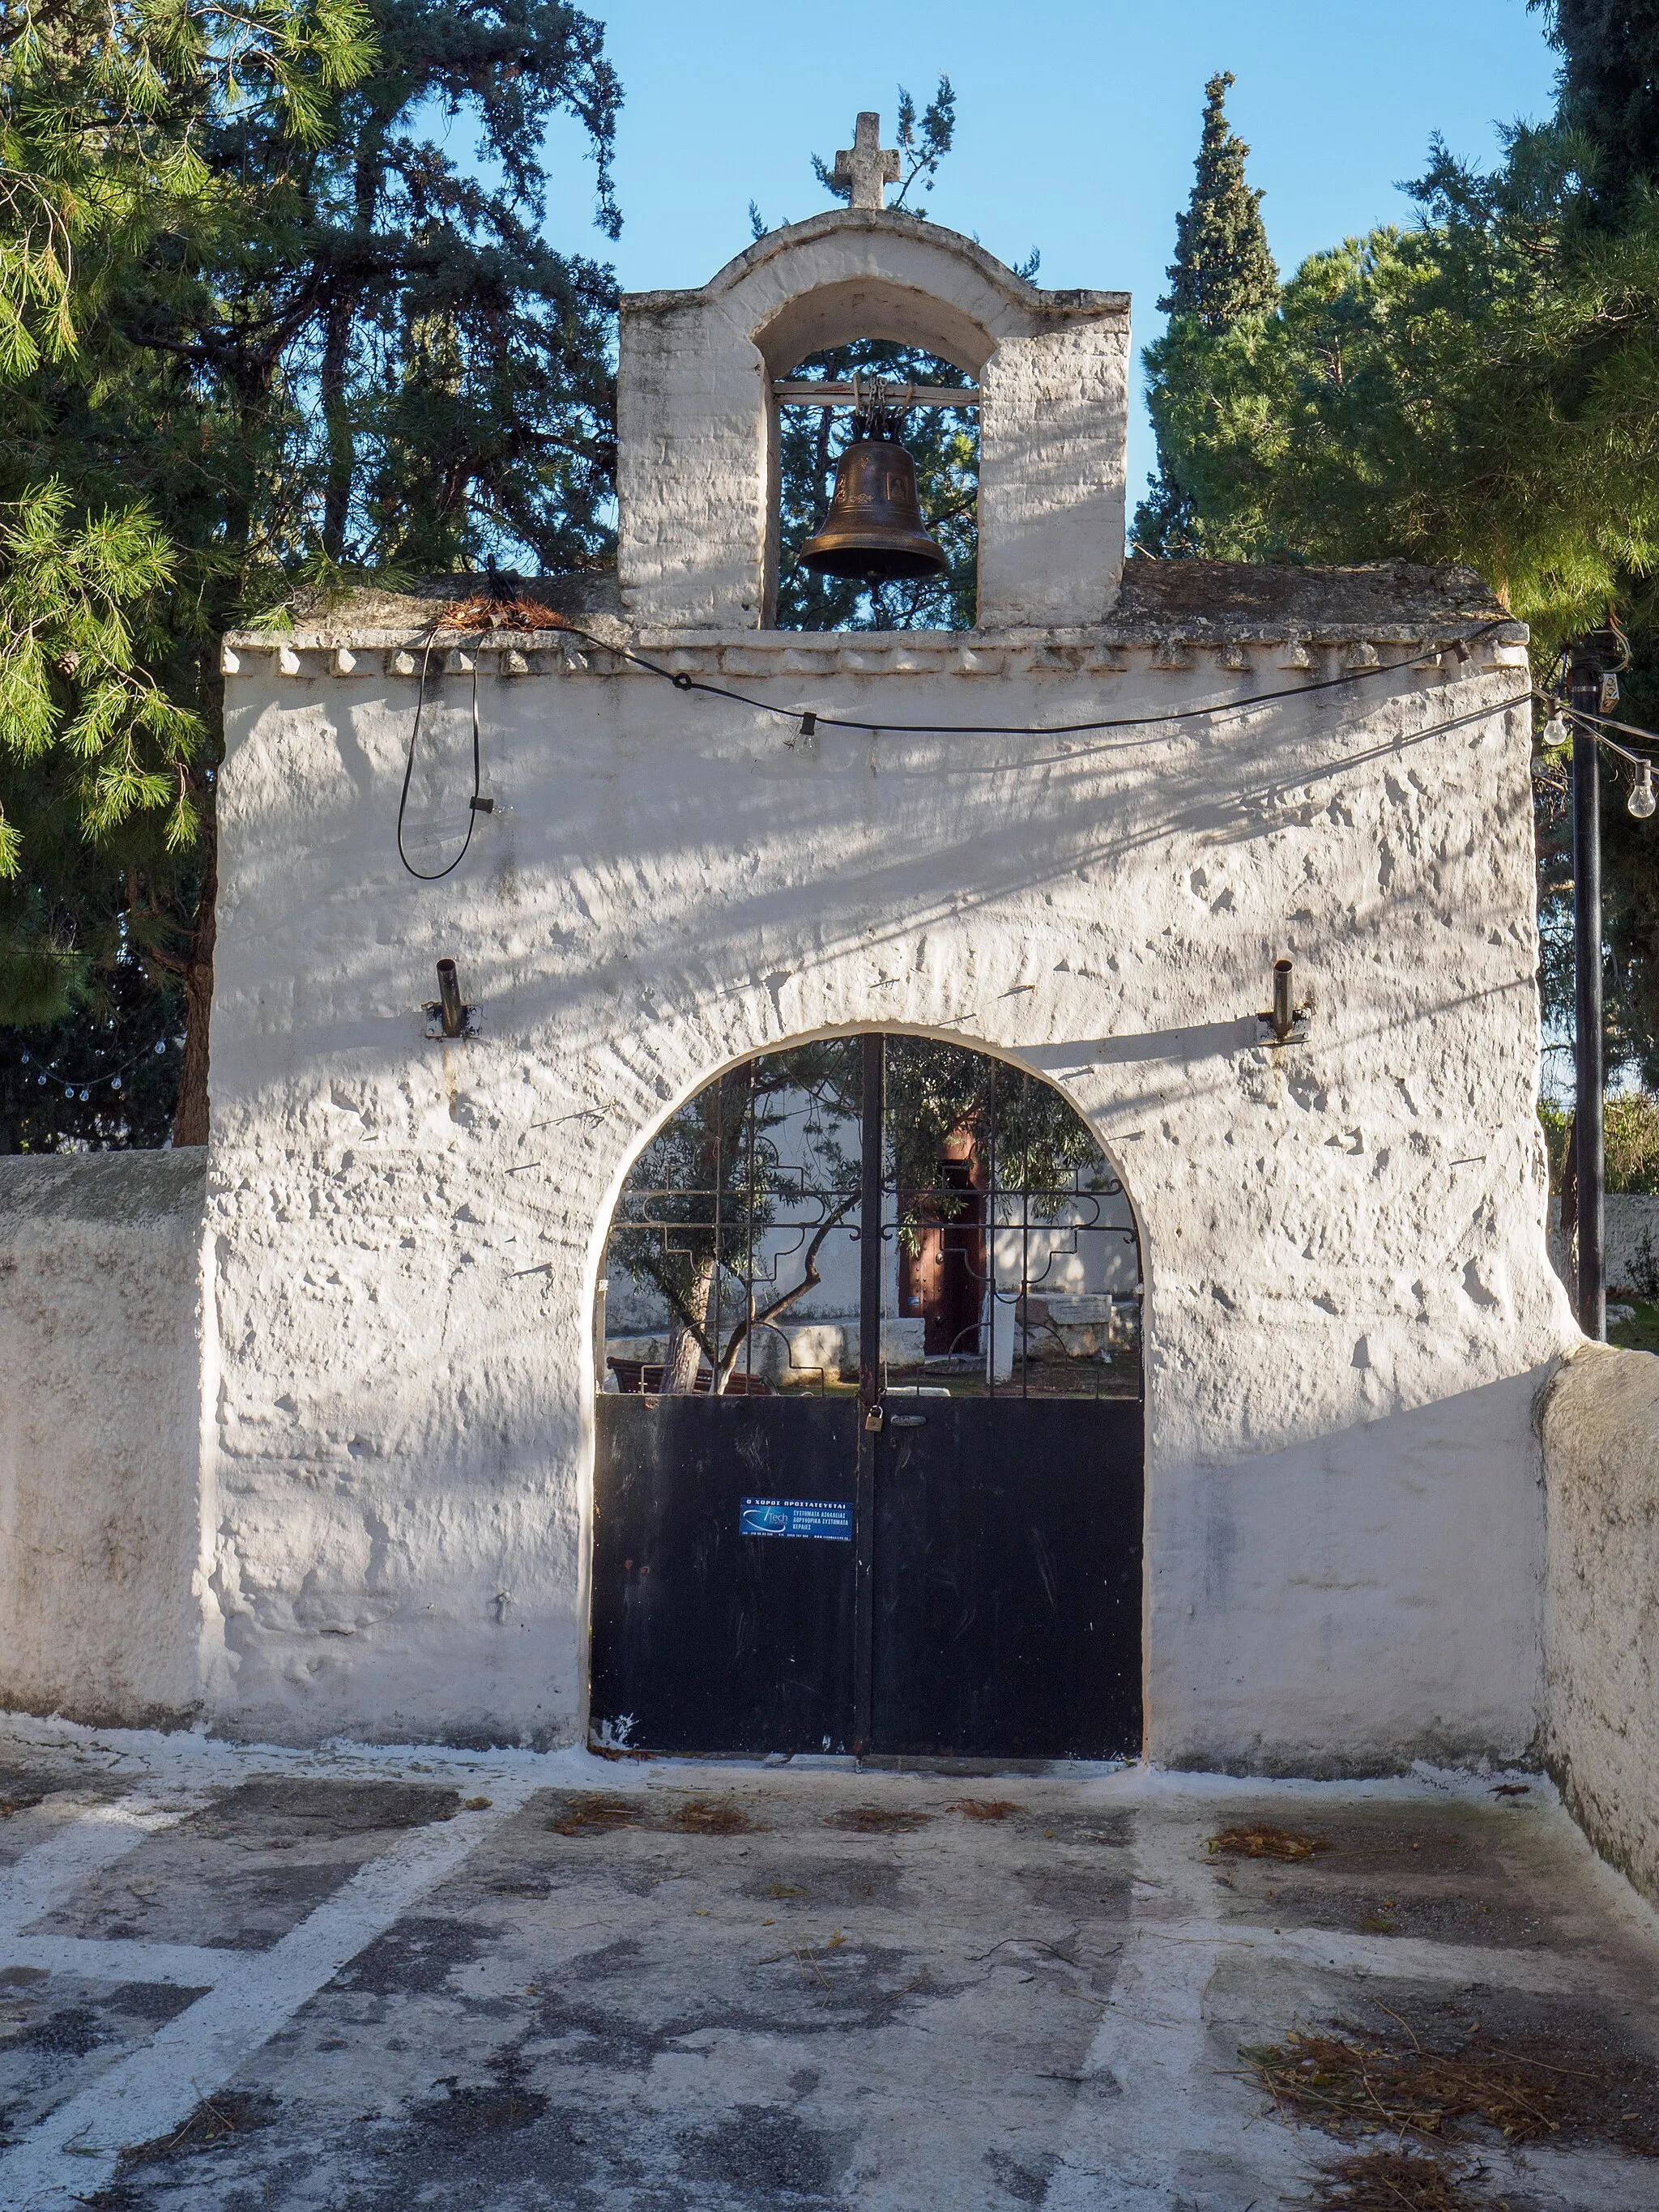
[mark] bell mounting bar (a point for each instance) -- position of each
(790, 393)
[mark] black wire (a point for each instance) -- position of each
(473, 811)
(682, 682)
(1580, 715)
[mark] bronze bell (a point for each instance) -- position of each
(873, 529)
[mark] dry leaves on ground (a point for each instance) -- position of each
(595, 1812)
(1267, 1844)
(877, 1820)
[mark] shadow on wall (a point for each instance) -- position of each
(1354, 1603)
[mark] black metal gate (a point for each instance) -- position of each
(936, 1555)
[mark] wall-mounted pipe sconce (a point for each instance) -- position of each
(1285, 1023)
(447, 1015)
(452, 1013)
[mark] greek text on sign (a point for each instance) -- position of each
(797, 1517)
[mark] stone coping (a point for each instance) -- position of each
(757, 656)
(1170, 609)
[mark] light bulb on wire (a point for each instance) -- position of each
(1642, 801)
(1555, 729)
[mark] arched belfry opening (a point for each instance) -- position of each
(869, 1457)
(831, 354)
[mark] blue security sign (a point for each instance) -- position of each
(797, 1517)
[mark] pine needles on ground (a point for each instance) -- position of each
(1527, 2090)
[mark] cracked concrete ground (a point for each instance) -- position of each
(375, 1981)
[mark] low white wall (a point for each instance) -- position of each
(101, 1600)
(1632, 1246)
(1602, 1607)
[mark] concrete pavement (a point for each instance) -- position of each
(370, 1981)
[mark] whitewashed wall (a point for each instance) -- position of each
(1631, 1247)
(1601, 1621)
(1350, 1309)
(104, 1548)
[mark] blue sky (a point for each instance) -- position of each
(1076, 122)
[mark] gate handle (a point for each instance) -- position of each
(906, 1420)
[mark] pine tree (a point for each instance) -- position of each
(1221, 273)
(306, 342)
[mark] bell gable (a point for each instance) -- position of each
(697, 416)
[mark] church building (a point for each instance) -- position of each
(1211, 886)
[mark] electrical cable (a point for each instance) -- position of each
(475, 806)
(810, 719)
(1606, 721)
(683, 682)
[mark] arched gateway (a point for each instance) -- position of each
(1076, 839)
(878, 1488)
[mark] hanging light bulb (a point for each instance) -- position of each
(1555, 729)
(1642, 801)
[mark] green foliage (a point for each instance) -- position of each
(1483, 388)
(72, 664)
(1631, 1147)
(103, 112)
(1469, 390)
(1632, 1141)
(289, 338)
(1223, 270)
(1608, 92)
(923, 142)
(1022, 1132)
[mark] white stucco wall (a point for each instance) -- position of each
(1631, 1246)
(102, 1592)
(1349, 1307)
(1601, 1469)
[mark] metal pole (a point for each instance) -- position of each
(870, 1412)
(1584, 692)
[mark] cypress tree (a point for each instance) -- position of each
(1608, 92)
(1222, 270)
(1221, 273)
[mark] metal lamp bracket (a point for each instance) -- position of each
(1267, 1032)
(1285, 1021)
(447, 1016)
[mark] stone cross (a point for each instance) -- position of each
(866, 165)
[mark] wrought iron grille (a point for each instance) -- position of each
(744, 1218)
